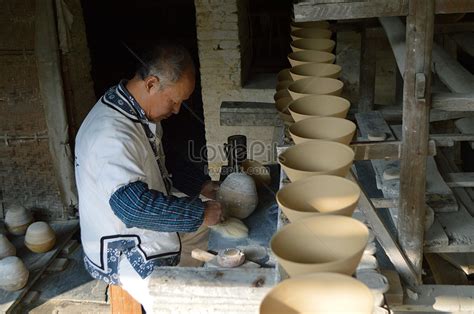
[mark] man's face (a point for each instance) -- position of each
(167, 101)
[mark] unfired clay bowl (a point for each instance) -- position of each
(311, 24)
(40, 237)
(323, 128)
(310, 56)
(13, 273)
(282, 105)
(17, 219)
(319, 293)
(325, 243)
(319, 106)
(6, 247)
(310, 33)
(319, 44)
(238, 194)
(315, 70)
(281, 93)
(316, 157)
(315, 86)
(318, 195)
(284, 75)
(283, 85)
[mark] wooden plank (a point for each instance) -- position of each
(388, 243)
(394, 295)
(450, 6)
(450, 139)
(466, 126)
(121, 302)
(314, 11)
(394, 113)
(463, 261)
(196, 290)
(436, 239)
(453, 101)
(372, 122)
(395, 30)
(36, 263)
(383, 150)
(367, 71)
(443, 272)
(460, 179)
(416, 105)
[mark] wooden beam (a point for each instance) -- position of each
(367, 71)
(121, 302)
(388, 243)
(383, 150)
(395, 30)
(52, 97)
(450, 6)
(460, 179)
(394, 113)
(449, 139)
(416, 103)
(453, 101)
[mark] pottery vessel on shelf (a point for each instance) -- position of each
(310, 33)
(283, 85)
(238, 193)
(284, 75)
(258, 172)
(325, 243)
(316, 158)
(315, 86)
(323, 128)
(303, 71)
(281, 93)
(319, 293)
(319, 106)
(318, 44)
(13, 273)
(310, 56)
(6, 247)
(318, 195)
(282, 105)
(312, 24)
(40, 237)
(17, 219)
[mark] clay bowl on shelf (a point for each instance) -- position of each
(282, 105)
(316, 157)
(315, 86)
(318, 195)
(310, 56)
(284, 75)
(281, 94)
(312, 24)
(319, 293)
(13, 273)
(310, 33)
(283, 85)
(40, 237)
(318, 44)
(303, 71)
(319, 106)
(17, 219)
(323, 128)
(325, 243)
(6, 247)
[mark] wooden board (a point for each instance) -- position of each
(443, 272)
(460, 179)
(36, 263)
(123, 303)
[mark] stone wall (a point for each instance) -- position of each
(221, 74)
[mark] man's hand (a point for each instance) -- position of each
(209, 189)
(213, 213)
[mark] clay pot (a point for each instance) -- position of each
(281, 93)
(284, 75)
(282, 105)
(311, 24)
(318, 44)
(319, 106)
(316, 158)
(258, 172)
(17, 219)
(315, 86)
(319, 293)
(40, 237)
(315, 70)
(238, 193)
(325, 243)
(283, 85)
(318, 195)
(6, 248)
(310, 56)
(310, 33)
(323, 128)
(13, 273)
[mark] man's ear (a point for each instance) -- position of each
(152, 83)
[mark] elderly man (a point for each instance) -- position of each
(130, 222)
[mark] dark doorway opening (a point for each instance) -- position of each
(113, 25)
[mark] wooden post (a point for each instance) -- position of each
(416, 103)
(367, 71)
(122, 303)
(52, 97)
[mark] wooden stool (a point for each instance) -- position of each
(122, 303)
